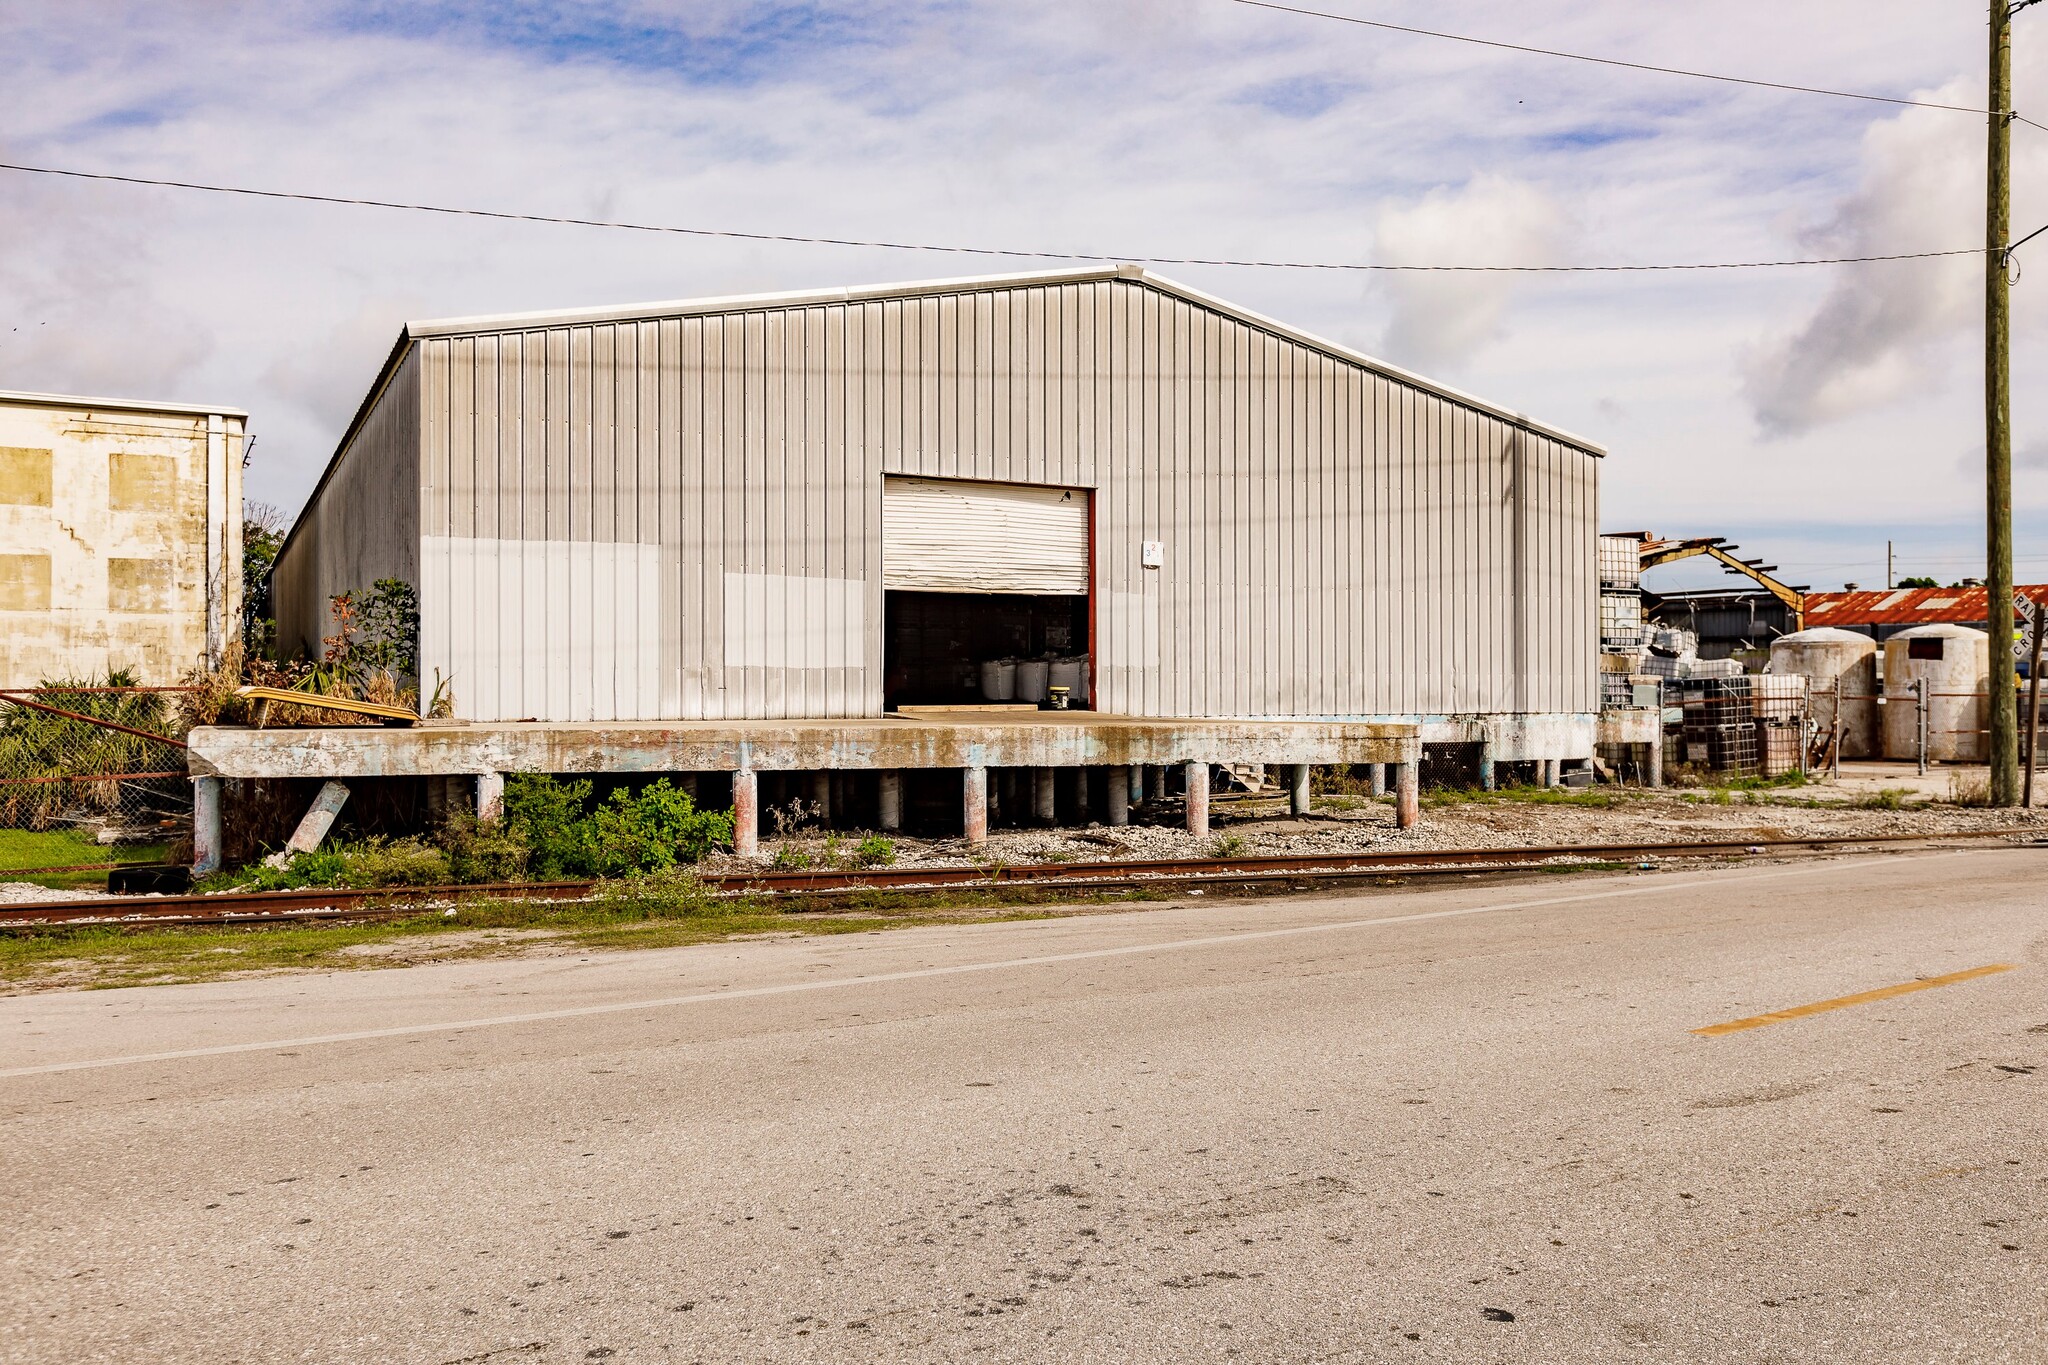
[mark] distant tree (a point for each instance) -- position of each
(263, 532)
(1918, 583)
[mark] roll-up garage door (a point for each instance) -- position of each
(949, 535)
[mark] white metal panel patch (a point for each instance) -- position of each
(553, 629)
(950, 535)
(775, 620)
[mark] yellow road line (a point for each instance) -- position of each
(1843, 1002)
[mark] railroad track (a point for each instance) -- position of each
(279, 907)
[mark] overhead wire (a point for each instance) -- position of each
(1619, 62)
(957, 249)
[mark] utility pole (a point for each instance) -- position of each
(1887, 566)
(2005, 756)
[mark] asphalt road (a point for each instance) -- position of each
(1358, 1128)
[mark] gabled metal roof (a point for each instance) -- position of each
(741, 303)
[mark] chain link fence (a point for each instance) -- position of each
(91, 777)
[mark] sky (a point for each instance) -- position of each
(1811, 414)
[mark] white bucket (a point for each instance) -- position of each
(998, 679)
(1031, 679)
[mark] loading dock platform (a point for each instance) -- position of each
(970, 741)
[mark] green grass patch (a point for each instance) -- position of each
(22, 848)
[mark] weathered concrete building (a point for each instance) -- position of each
(837, 505)
(120, 536)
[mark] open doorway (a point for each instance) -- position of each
(986, 593)
(935, 643)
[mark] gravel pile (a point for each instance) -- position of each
(1338, 827)
(28, 893)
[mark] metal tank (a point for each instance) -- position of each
(1954, 664)
(1829, 658)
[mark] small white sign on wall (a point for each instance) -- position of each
(1153, 554)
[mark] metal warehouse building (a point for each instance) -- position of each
(835, 505)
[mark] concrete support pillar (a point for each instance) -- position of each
(1135, 775)
(889, 783)
(1548, 768)
(974, 804)
(490, 798)
(1408, 795)
(206, 826)
(821, 797)
(1081, 812)
(746, 813)
(1119, 794)
(1379, 778)
(1198, 799)
(1297, 790)
(1043, 805)
(1487, 781)
(314, 824)
(1656, 763)
(691, 787)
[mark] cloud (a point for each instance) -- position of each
(1123, 127)
(1876, 339)
(1491, 220)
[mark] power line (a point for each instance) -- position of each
(1013, 252)
(1615, 61)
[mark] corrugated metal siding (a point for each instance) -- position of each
(363, 525)
(1338, 542)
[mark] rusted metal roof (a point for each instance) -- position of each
(1905, 606)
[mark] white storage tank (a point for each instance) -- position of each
(1829, 658)
(1954, 664)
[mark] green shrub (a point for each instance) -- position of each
(1229, 846)
(791, 858)
(654, 830)
(875, 851)
(546, 815)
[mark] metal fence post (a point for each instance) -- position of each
(2034, 699)
(1920, 721)
(1835, 747)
